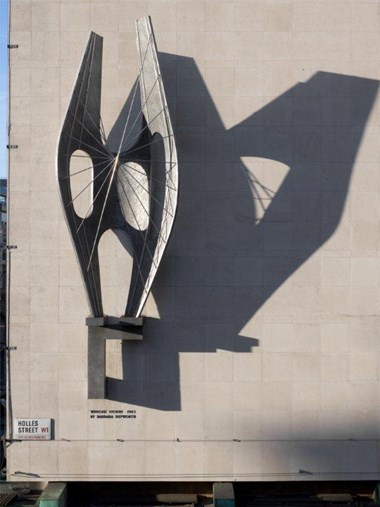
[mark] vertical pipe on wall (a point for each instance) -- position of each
(6, 362)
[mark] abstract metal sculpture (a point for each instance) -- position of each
(134, 185)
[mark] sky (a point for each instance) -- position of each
(3, 86)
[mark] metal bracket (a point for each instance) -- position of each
(12, 46)
(129, 328)
(11, 247)
(12, 146)
(9, 348)
(101, 329)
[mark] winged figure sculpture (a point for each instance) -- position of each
(134, 185)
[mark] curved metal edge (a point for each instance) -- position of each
(93, 286)
(144, 29)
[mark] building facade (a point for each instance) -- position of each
(260, 354)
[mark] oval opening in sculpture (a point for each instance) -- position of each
(81, 183)
(133, 190)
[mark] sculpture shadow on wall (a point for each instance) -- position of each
(236, 240)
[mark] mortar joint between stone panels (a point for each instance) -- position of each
(292, 54)
(59, 236)
(350, 33)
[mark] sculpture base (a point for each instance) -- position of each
(101, 329)
(109, 322)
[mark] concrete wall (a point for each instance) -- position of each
(261, 351)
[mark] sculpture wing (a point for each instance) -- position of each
(81, 131)
(162, 172)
